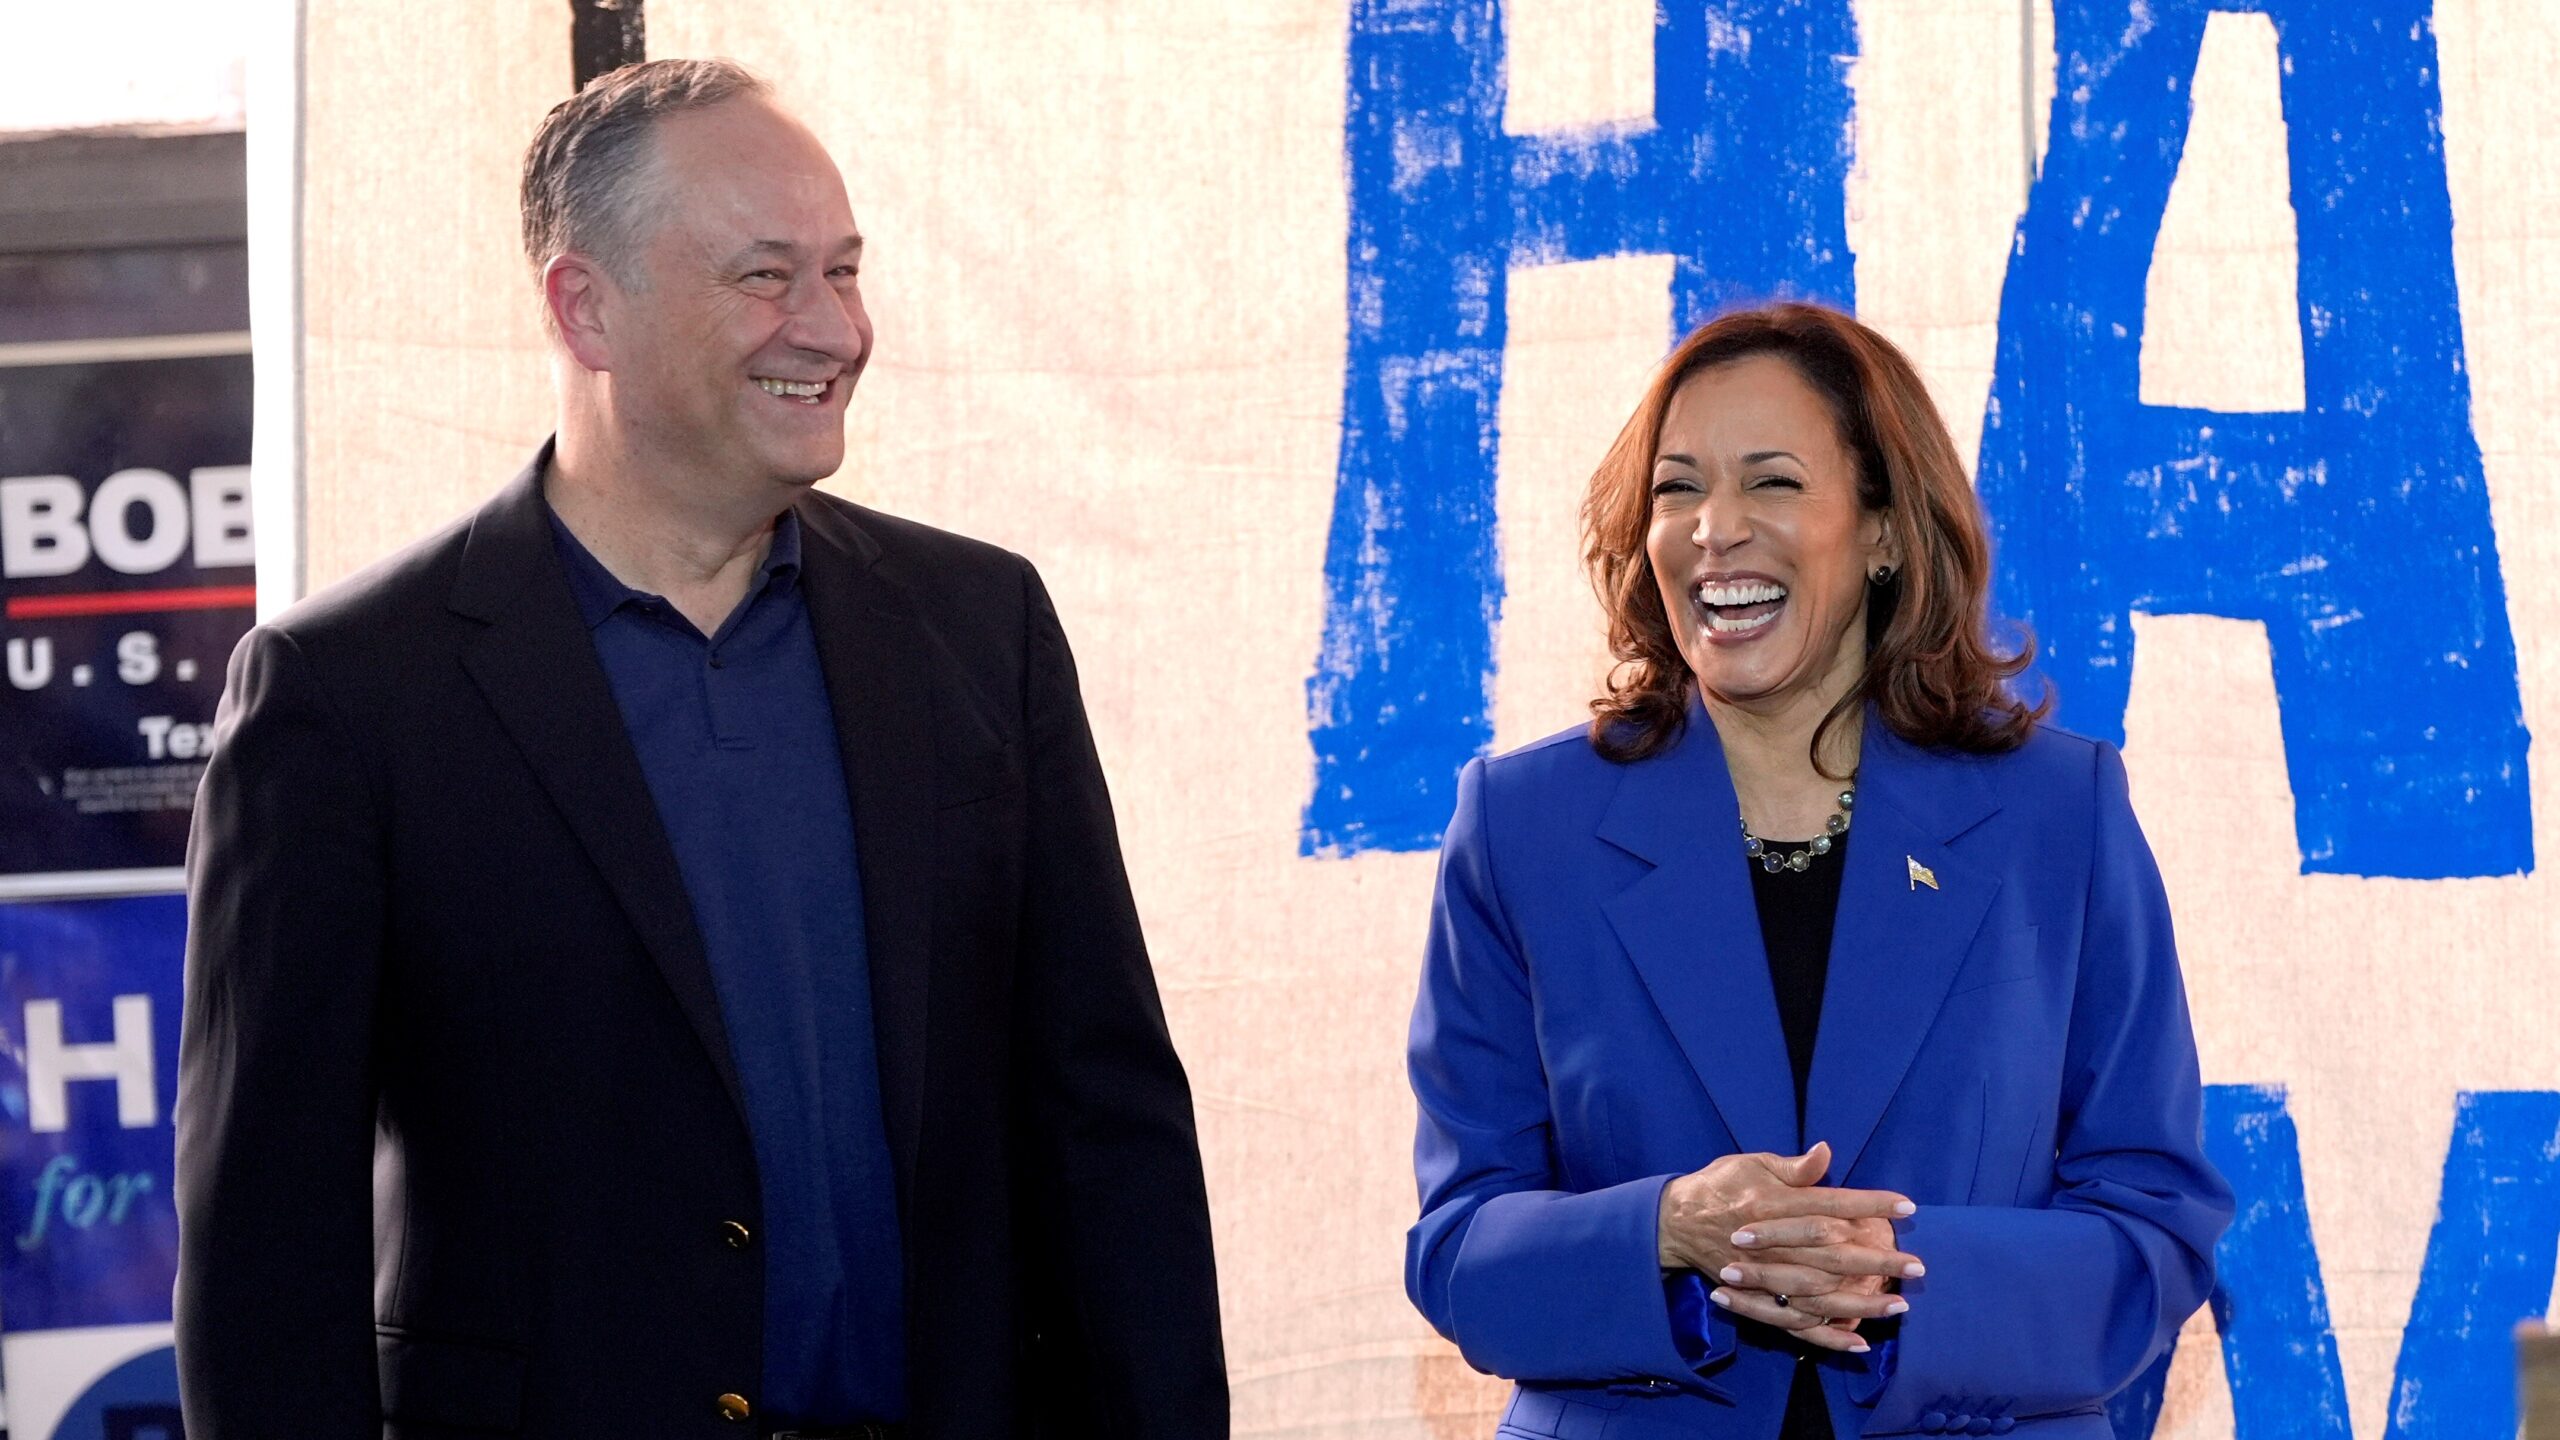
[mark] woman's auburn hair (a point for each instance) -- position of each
(1932, 671)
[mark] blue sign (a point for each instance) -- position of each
(125, 580)
(89, 995)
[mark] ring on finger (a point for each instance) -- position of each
(1782, 1301)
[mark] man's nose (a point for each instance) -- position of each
(830, 322)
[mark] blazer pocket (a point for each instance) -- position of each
(1999, 958)
(1578, 1412)
(967, 777)
(463, 1384)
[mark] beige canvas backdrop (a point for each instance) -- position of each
(1107, 267)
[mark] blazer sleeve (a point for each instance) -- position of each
(1106, 1105)
(2030, 1312)
(1530, 1280)
(276, 1089)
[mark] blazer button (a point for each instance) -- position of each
(1934, 1423)
(737, 1235)
(735, 1407)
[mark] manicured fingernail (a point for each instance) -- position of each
(1906, 1209)
(1720, 1298)
(1731, 1275)
(1858, 1349)
(1896, 1306)
(1745, 1237)
(1914, 1270)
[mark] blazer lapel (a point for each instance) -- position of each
(536, 664)
(1693, 933)
(1897, 943)
(880, 673)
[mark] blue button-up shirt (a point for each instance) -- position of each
(737, 739)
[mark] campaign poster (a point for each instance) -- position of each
(89, 999)
(125, 579)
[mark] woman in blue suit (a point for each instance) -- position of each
(1801, 1048)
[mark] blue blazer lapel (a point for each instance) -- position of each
(1897, 943)
(1693, 934)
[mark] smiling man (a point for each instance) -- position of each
(660, 960)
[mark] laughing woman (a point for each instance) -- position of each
(1801, 1048)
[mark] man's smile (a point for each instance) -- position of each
(804, 392)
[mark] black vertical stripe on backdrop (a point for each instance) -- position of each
(604, 35)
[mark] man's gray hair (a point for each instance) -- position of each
(585, 173)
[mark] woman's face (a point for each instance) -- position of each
(1758, 541)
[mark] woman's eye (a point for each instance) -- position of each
(1789, 481)
(1672, 486)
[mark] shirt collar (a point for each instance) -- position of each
(599, 592)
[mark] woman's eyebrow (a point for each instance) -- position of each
(1754, 458)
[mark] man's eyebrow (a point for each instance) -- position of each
(761, 248)
(785, 249)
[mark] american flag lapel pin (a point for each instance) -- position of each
(1920, 874)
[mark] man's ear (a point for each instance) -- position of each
(577, 295)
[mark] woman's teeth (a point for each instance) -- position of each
(806, 392)
(1735, 607)
(1739, 592)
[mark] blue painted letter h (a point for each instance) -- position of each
(1738, 176)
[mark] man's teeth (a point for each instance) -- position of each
(1740, 592)
(806, 391)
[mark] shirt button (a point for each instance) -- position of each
(715, 662)
(737, 1235)
(735, 1407)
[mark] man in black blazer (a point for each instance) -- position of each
(660, 961)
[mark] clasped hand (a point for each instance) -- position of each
(1810, 1259)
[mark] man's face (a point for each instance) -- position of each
(735, 356)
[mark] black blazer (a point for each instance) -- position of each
(460, 1145)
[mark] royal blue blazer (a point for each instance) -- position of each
(2008, 1046)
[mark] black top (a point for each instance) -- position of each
(1796, 908)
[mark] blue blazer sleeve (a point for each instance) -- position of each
(2041, 1311)
(1531, 1281)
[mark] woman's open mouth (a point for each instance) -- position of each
(1738, 607)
